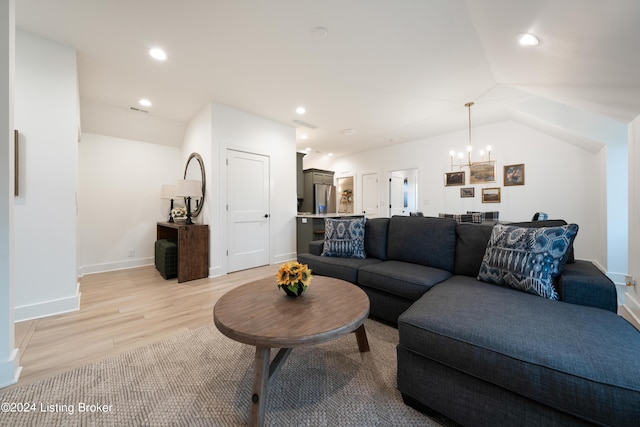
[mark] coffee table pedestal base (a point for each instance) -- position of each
(264, 371)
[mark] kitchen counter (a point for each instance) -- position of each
(310, 227)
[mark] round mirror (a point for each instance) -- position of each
(195, 170)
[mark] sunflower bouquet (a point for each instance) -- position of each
(294, 278)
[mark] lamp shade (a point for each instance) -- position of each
(168, 192)
(188, 188)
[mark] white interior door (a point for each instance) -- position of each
(397, 192)
(370, 195)
(247, 210)
(403, 192)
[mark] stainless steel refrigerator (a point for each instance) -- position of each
(322, 200)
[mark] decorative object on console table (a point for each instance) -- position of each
(179, 214)
(192, 247)
(168, 192)
(189, 188)
(294, 278)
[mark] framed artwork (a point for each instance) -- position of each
(482, 172)
(16, 162)
(514, 174)
(467, 192)
(491, 195)
(453, 178)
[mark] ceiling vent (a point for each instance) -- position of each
(139, 110)
(304, 124)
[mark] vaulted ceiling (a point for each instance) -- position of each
(392, 71)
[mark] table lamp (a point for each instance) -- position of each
(189, 188)
(168, 192)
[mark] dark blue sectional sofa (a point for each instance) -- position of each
(489, 355)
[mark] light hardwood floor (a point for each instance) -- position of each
(122, 310)
(119, 311)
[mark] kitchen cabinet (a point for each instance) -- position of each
(300, 176)
(318, 176)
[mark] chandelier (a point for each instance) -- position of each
(460, 156)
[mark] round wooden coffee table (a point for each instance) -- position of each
(260, 314)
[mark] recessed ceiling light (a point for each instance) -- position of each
(301, 110)
(307, 149)
(145, 102)
(303, 136)
(157, 53)
(527, 39)
(330, 154)
(319, 33)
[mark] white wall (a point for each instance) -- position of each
(198, 139)
(561, 179)
(235, 129)
(632, 295)
(119, 203)
(46, 114)
(9, 357)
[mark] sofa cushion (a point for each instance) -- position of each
(340, 268)
(471, 244)
(547, 223)
(580, 360)
(422, 240)
(528, 259)
(375, 238)
(344, 238)
(399, 278)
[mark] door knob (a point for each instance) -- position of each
(266, 215)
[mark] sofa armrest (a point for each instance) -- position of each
(316, 246)
(583, 283)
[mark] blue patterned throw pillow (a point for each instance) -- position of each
(527, 259)
(344, 238)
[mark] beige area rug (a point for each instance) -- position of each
(202, 378)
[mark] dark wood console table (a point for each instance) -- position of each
(193, 248)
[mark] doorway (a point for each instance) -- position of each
(403, 192)
(247, 210)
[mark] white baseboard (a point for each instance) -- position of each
(282, 258)
(216, 271)
(48, 308)
(113, 266)
(10, 369)
(632, 305)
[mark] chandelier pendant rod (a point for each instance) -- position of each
(469, 105)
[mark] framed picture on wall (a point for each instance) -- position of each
(16, 166)
(467, 192)
(491, 195)
(514, 174)
(454, 178)
(481, 172)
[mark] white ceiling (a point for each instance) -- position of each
(393, 70)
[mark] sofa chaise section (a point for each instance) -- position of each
(468, 344)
